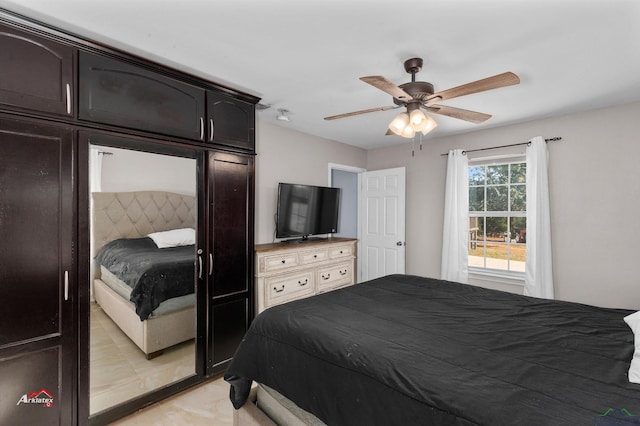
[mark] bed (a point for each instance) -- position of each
(129, 217)
(411, 350)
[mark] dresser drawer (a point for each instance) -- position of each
(334, 276)
(313, 256)
(277, 262)
(341, 251)
(283, 288)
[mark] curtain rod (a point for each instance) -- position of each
(556, 138)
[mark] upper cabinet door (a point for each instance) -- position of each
(35, 73)
(231, 121)
(123, 94)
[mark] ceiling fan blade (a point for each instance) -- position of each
(364, 111)
(385, 85)
(462, 114)
(500, 80)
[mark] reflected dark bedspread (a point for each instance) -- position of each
(408, 350)
(154, 274)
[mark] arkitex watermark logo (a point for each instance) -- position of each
(42, 396)
(616, 417)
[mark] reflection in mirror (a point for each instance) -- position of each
(140, 341)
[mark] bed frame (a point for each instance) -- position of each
(135, 215)
(266, 407)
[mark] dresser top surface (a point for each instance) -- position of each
(262, 248)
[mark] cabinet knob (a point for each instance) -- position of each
(283, 261)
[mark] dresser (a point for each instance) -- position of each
(288, 271)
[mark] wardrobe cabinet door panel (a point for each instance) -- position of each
(231, 121)
(30, 389)
(230, 323)
(38, 346)
(231, 195)
(35, 73)
(35, 224)
(123, 94)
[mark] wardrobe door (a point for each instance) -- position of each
(231, 206)
(126, 95)
(35, 73)
(230, 121)
(37, 274)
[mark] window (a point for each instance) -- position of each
(497, 217)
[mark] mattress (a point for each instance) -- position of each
(153, 274)
(171, 305)
(411, 350)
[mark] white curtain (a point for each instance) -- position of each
(95, 170)
(539, 270)
(455, 235)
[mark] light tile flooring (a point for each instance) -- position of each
(119, 371)
(207, 404)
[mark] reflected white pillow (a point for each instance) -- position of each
(174, 238)
(633, 321)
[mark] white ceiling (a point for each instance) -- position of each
(306, 56)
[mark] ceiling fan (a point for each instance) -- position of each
(417, 95)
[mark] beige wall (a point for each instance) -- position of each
(594, 195)
(286, 155)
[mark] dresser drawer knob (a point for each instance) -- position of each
(280, 290)
(343, 272)
(326, 277)
(284, 261)
(303, 283)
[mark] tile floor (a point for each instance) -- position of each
(206, 404)
(119, 370)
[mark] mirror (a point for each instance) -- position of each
(136, 348)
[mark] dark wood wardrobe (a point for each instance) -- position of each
(58, 93)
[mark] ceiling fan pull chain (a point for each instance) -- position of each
(413, 146)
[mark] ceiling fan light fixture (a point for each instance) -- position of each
(427, 125)
(399, 123)
(417, 118)
(408, 132)
(408, 124)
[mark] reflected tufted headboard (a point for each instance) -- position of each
(137, 214)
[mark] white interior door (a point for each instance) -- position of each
(382, 223)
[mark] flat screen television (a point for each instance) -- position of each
(305, 210)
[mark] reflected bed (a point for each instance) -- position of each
(134, 215)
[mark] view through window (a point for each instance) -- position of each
(497, 216)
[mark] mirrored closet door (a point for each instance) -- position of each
(143, 226)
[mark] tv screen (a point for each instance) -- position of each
(304, 210)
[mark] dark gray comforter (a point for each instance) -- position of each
(406, 350)
(153, 274)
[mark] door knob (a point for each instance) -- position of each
(399, 243)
